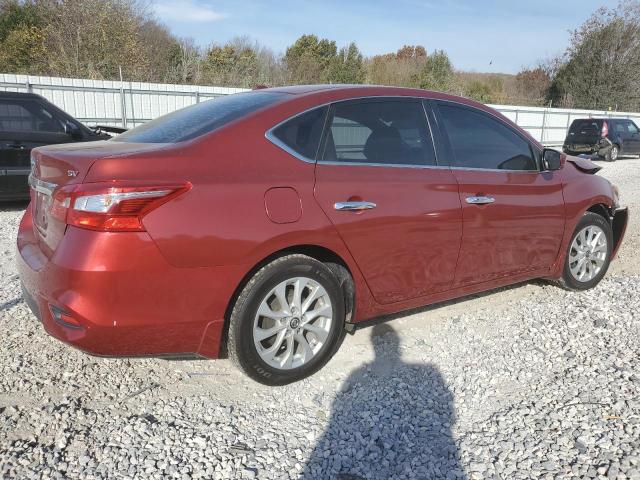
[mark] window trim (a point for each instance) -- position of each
(445, 138)
(439, 137)
(269, 135)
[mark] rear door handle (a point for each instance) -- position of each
(480, 200)
(354, 206)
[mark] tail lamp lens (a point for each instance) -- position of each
(110, 207)
(605, 129)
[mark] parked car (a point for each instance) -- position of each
(28, 121)
(263, 225)
(608, 138)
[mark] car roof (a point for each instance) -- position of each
(600, 119)
(364, 90)
(19, 95)
(346, 91)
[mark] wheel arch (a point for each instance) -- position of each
(323, 254)
(600, 209)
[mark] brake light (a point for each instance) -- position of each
(605, 130)
(111, 207)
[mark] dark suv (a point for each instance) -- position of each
(28, 121)
(608, 138)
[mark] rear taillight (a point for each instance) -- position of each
(111, 207)
(605, 130)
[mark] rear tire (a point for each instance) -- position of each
(589, 253)
(613, 153)
(276, 335)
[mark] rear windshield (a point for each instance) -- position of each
(586, 127)
(196, 120)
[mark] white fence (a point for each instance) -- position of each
(129, 104)
(550, 125)
(104, 102)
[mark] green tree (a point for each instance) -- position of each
(21, 38)
(308, 60)
(347, 66)
(401, 68)
(599, 69)
(15, 15)
(23, 51)
(479, 91)
(437, 73)
(233, 64)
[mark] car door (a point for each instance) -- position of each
(397, 210)
(632, 138)
(513, 214)
(24, 124)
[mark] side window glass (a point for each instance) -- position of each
(479, 141)
(28, 116)
(621, 127)
(46, 121)
(631, 127)
(302, 133)
(386, 132)
(14, 117)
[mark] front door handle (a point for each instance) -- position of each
(480, 200)
(354, 206)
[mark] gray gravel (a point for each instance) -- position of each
(526, 382)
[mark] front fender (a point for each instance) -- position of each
(581, 192)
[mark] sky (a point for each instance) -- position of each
(481, 35)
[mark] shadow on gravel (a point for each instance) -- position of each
(10, 304)
(14, 206)
(391, 419)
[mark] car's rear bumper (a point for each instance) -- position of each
(600, 149)
(120, 297)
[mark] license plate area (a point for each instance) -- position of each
(42, 206)
(43, 196)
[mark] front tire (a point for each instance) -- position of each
(589, 254)
(288, 321)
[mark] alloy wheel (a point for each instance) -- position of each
(614, 153)
(588, 253)
(292, 323)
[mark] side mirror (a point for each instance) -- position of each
(72, 130)
(551, 160)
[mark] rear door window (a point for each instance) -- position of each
(301, 134)
(381, 132)
(201, 118)
(28, 116)
(631, 127)
(480, 141)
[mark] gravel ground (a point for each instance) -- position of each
(526, 382)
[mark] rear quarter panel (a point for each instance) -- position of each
(223, 219)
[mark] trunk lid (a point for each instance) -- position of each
(585, 132)
(56, 166)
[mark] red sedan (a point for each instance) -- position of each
(266, 224)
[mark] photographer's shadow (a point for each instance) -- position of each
(391, 420)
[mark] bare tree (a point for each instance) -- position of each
(92, 38)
